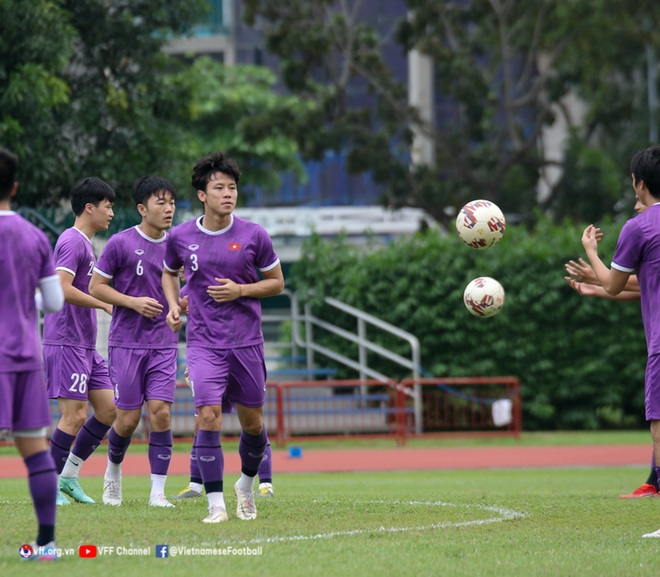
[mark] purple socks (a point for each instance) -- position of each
(42, 479)
(160, 452)
(211, 460)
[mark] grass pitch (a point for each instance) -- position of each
(532, 522)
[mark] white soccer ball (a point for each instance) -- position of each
(480, 224)
(484, 297)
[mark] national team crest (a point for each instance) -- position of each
(25, 551)
(234, 246)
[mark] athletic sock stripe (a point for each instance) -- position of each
(248, 473)
(93, 434)
(214, 487)
(63, 447)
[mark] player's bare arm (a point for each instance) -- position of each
(612, 280)
(227, 290)
(76, 297)
(100, 288)
(592, 290)
(171, 288)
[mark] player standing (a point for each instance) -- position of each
(638, 250)
(27, 264)
(584, 281)
(223, 256)
(76, 372)
(142, 348)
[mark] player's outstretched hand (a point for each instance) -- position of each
(147, 307)
(173, 319)
(590, 238)
(226, 290)
(581, 271)
(582, 288)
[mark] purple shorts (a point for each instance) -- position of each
(238, 373)
(652, 388)
(23, 401)
(73, 371)
(142, 375)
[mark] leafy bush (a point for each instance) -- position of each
(581, 360)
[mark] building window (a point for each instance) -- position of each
(215, 21)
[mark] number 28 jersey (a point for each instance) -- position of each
(238, 253)
(73, 325)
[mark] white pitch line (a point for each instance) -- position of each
(502, 514)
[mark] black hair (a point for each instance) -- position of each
(213, 162)
(8, 170)
(645, 166)
(147, 186)
(90, 190)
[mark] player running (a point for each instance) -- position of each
(76, 372)
(142, 348)
(223, 257)
(27, 264)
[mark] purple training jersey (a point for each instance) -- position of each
(237, 252)
(25, 259)
(134, 262)
(73, 325)
(638, 250)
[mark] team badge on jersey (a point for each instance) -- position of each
(234, 246)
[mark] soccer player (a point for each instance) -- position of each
(223, 257)
(638, 250)
(582, 278)
(142, 348)
(76, 373)
(27, 264)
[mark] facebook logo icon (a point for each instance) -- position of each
(162, 551)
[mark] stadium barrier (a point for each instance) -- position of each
(296, 410)
(476, 405)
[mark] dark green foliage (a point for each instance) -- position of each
(581, 360)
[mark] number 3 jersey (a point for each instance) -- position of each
(134, 263)
(238, 253)
(73, 326)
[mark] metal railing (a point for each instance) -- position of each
(360, 337)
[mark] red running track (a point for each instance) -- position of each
(322, 461)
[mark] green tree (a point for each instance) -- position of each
(35, 47)
(232, 109)
(86, 88)
(503, 70)
(326, 50)
(125, 114)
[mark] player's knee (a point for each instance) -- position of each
(655, 432)
(160, 419)
(72, 421)
(126, 423)
(209, 419)
(106, 414)
(253, 427)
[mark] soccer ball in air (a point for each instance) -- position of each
(483, 297)
(480, 224)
